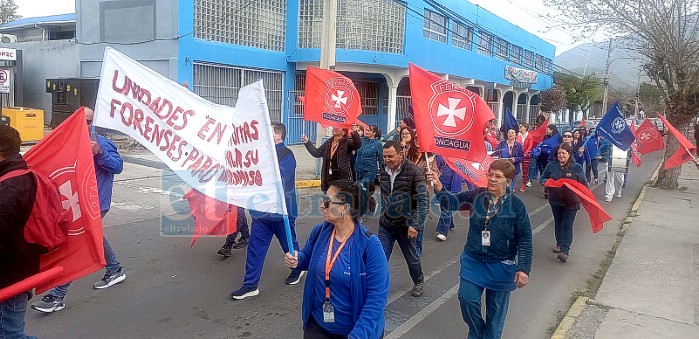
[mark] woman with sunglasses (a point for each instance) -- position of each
(348, 279)
(564, 203)
(497, 256)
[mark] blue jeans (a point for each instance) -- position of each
(112, 267)
(12, 317)
(407, 246)
(496, 304)
(241, 227)
(563, 219)
(445, 222)
(532, 172)
(260, 239)
(592, 166)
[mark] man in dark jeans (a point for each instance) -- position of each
(18, 259)
(241, 227)
(405, 203)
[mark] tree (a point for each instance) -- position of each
(553, 99)
(581, 91)
(651, 97)
(8, 11)
(665, 33)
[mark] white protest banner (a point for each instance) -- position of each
(224, 152)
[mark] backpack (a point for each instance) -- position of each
(47, 225)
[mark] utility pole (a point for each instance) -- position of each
(328, 43)
(606, 78)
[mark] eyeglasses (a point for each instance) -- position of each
(327, 202)
(567, 136)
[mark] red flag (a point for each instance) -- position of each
(211, 217)
(331, 98)
(492, 140)
(475, 172)
(65, 157)
(539, 133)
(450, 120)
(684, 153)
(597, 214)
(635, 154)
(582, 122)
(29, 283)
(648, 138)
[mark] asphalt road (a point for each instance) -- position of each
(174, 291)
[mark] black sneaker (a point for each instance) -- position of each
(242, 242)
(244, 292)
(49, 304)
(294, 277)
(418, 289)
(225, 251)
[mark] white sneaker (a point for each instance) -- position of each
(441, 237)
(529, 183)
(607, 199)
(618, 195)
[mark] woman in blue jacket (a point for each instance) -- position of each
(513, 151)
(342, 255)
(564, 203)
(497, 256)
(369, 156)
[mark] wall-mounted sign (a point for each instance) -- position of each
(5, 81)
(520, 76)
(8, 54)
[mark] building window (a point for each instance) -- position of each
(485, 44)
(462, 36)
(220, 84)
(539, 63)
(516, 54)
(547, 65)
(501, 49)
(373, 25)
(259, 24)
(528, 59)
(369, 92)
(434, 26)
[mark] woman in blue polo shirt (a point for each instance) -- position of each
(341, 254)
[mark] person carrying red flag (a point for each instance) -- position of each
(684, 153)
(335, 153)
(564, 203)
(107, 162)
(18, 259)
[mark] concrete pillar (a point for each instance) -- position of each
(392, 109)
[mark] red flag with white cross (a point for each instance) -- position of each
(686, 150)
(65, 157)
(648, 138)
(450, 120)
(331, 98)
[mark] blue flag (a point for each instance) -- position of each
(615, 129)
(509, 122)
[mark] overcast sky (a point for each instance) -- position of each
(523, 13)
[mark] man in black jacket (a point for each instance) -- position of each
(404, 193)
(18, 259)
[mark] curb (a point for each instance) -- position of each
(579, 305)
(313, 183)
(570, 318)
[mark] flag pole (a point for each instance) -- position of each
(289, 240)
(427, 161)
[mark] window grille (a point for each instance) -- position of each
(539, 63)
(501, 49)
(434, 26)
(485, 44)
(529, 59)
(462, 36)
(516, 54)
(369, 92)
(259, 23)
(373, 25)
(547, 65)
(220, 84)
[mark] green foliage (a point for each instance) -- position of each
(8, 11)
(581, 92)
(651, 97)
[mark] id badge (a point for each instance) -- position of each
(330, 171)
(328, 312)
(485, 238)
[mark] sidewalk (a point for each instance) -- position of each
(651, 289)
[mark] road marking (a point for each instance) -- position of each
(542, 226)
(408, 325)
(397, 295)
